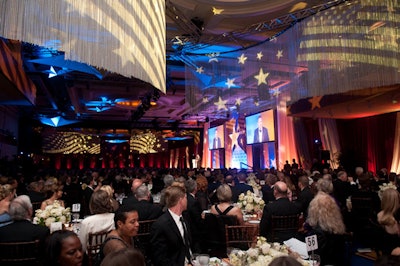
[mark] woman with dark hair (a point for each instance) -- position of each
(63, 248)
(126, 222)
(102, 219)
(124, 257)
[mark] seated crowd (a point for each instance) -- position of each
(176, 201)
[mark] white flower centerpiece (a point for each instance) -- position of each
(51, 214)
(261, 254)
(250, 202)
(385, 186)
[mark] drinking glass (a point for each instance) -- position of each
(203, 259)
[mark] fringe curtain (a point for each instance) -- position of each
(126, 37)
(395, 167)
(300, 135)
(330, 140)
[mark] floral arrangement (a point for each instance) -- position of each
(253, 181)
(385, 186)
(261, 254)
(250, 202)
(51, 214)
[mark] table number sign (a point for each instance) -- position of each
(311, 242)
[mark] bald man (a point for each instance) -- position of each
(281, 206)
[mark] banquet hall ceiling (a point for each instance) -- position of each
(100, 99)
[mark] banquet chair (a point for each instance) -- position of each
(284, 227)
(144, 235)
(20, 253)
(95, 241)
(241, 236)
(214, 238)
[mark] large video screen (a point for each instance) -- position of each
(216, 139)
(260, 127)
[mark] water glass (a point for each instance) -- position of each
(203, 259)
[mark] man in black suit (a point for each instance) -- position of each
(194, 212)
(260, 133)
(280, 207)
(170, 234)
(22, 229)
(145, 209)
(131, 199)
(305, 196)
(242, 187)
(216, 140)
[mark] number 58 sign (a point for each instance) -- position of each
(311, 242)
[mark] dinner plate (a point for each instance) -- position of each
(254, 221)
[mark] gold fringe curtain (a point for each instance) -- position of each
(126, 37)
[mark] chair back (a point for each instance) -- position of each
(284, 227)
(241, 236)
(144, 237)
(20, 253)
(214, 238)
(95, 241)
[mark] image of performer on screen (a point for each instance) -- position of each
(260, 133)
(216, 140)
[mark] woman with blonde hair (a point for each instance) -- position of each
(390, 205)
(110, 191)
(7, 193)
(225, 206)
(54, 192)
(325, 220)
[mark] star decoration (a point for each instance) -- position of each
(259, 55)
(205, 100)
(256, 103)
(178, 41)
(261, 77)
(221, 104)
(279, 54)
(238, 102)
(273, 163)
(276, 92)
(229, 83)
(217, 11)
(315, 102)
(242, 59)
(200, 70)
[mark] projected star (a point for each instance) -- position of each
(213, 59)
(238, 102)
(315, 102)
(229, 83)
(217, 11)
(205, 100)
(242, 59)
(279, 54)
(273, 163)
(200, 70)
(259, 55)
(221, 104)
(261, 77)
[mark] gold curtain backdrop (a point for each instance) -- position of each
(126, 37)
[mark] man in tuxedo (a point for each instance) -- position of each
(280, 207)
(131, 199)
(216, 140)
(260, 133)
(170, 234)
(22, 229)
(145, 209)
(305, 196)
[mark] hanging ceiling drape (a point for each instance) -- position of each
(126, 37)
